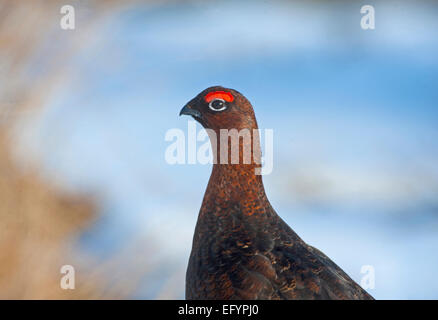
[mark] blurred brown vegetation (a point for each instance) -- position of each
(38, 223)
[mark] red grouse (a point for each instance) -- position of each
(241, 248)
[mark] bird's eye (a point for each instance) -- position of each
(217, 105)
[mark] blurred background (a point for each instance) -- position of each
(84, 112)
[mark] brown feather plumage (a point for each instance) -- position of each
(241, 248)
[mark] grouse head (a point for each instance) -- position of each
(218, 108)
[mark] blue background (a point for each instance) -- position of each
(354, 114)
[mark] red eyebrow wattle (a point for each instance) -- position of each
(228, 97)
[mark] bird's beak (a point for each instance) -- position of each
(187, 110)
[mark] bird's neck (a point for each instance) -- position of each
(236, 149)
(235, 186)
(237, 183)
